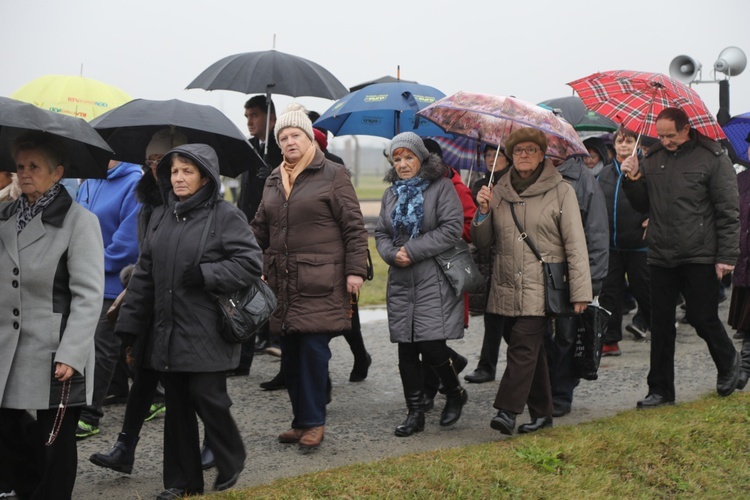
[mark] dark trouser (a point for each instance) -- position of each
(34, 470)
(139, 399)
(493, 335)
(560, 346)
(120, 384)
(247, 353)
(304, 362)
(700, 288)
(205, 394)
(107, 347)
(633, 264)
(356, 343)
(526, 379)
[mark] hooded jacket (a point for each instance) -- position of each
(593, 215)
(741, 273)
(693, 204)
(548, 212)
(421, 303)
(312, 241)
(185, 330)
(113, 201)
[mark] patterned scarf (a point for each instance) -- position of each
(408, 213)
(27, 212)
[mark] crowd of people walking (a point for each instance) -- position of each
(126, 279)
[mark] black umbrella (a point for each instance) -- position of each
(583, 120)
(382, 79)
(270, 72)
(129, 128)
(86, 153)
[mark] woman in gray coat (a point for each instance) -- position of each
(51, 286)
(172, 297)
(420, 217)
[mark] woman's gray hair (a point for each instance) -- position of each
(50, 146)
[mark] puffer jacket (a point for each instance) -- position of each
(548, 211)
(185, 330)
(312, 241)
(625, 223)
(421, 303)
(593, 216)
(692, 201)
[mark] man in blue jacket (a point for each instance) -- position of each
(113, 201)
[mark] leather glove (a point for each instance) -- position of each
(193, 277)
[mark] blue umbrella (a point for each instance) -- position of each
(737, 130)
(382, 110)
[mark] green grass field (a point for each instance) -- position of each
(694, 450)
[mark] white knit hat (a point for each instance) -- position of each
(294, 116)
(164, 140)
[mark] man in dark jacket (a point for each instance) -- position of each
(258, 124)
(561, 347)
(689, 188)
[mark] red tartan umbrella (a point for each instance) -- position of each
(635, 98)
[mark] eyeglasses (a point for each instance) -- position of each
(531, 150)
(152, 163)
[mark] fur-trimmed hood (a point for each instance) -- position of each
(432, 169)
(147, 190)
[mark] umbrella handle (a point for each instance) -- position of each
(494, 162)
(638, 174)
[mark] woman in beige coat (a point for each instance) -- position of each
(547, 209)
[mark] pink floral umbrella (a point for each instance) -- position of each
(491, 119)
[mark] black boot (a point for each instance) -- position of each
(411, 379)
(362, 359)
(456, 396)
(121, 457)
(745, 366)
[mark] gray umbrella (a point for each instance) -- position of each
(86, 153)
(270, 72)
(129, 128)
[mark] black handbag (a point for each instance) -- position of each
(592, 326)
(556, 285)
(459, 268)
(74, 393)
(245, 311)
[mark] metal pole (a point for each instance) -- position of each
(723, 115)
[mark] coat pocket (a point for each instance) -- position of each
(315, 275)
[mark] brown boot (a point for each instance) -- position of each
(311, 438)
(291, 436)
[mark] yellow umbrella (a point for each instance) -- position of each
(72, 95)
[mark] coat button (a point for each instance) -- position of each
(15, 284)
(16, 325)
(15, 271)
(283, 229)
(285, 204)
(16, 312)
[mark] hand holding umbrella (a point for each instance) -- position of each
(630, 167)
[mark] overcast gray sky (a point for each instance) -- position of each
(153, 49)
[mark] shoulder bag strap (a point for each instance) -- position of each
(204, 236)
(524, 236)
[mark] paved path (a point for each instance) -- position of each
(362, 416)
